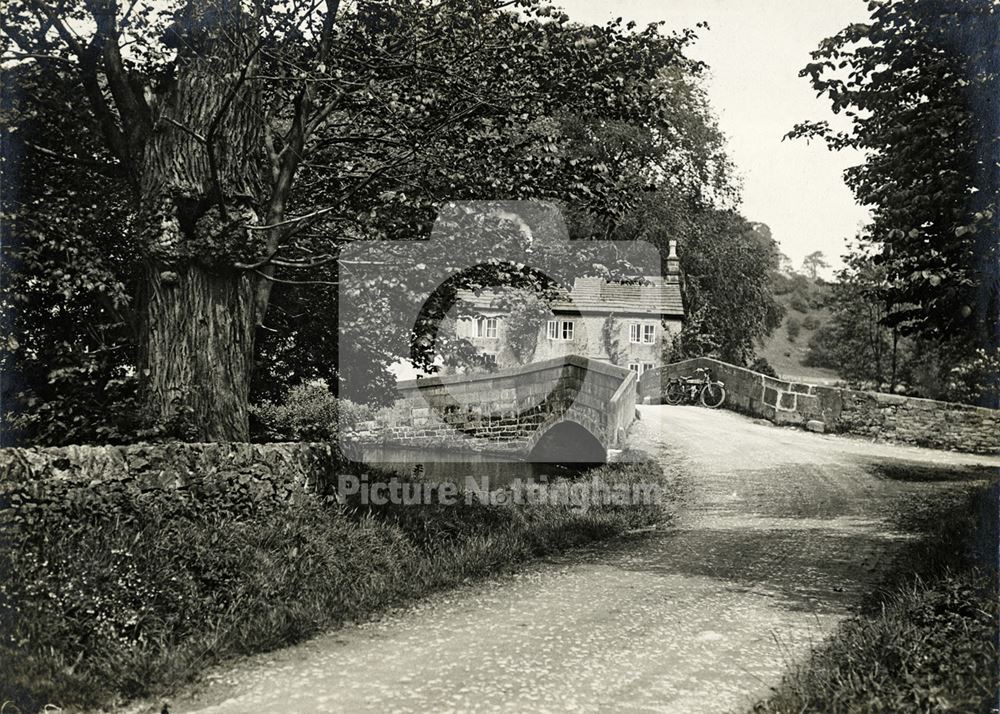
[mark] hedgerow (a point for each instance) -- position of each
(127, 594)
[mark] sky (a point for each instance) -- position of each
(755, 49)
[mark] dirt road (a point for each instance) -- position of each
(780, 534)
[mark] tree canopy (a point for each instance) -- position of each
(189, 172)
(917, 84)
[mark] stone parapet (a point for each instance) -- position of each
(884, 417)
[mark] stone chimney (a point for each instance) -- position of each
(673, 262)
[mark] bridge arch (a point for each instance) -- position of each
(512, 411)
(566, 441)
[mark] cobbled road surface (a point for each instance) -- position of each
(779, 533)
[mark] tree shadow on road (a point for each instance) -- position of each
(904, 470)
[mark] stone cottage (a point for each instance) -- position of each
(626, 324)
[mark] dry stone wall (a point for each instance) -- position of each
(255, 472)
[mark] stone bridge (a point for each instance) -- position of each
(875, 415)
(568, 409)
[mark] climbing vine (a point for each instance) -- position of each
(610, 337)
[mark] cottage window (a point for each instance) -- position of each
(634, 366)
(560, 329)
(486, 327)
(634, 332)
(646, 366)
(648, 334)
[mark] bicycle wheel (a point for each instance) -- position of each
(674, 393)
(713, 395)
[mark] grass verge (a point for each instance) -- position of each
(926, 641)
(131, 596)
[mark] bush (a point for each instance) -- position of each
(811, 322)
(799, 303)
(975, 379)
(117, 595)
(793, 327)
(309, 412)
(824, 346)
(820, 295)
(762, 366)
(781, 284)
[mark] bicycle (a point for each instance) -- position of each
(702, 388)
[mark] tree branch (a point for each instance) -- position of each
(132, 107)
(298, 134)
(104, 168)
(89, 78)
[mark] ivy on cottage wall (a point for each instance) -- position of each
(526, 316)
(611, 339)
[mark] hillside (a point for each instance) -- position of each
(804, 301)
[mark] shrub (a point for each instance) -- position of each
(811, 322)
(823, 350)
(799, 303)
(820, 295)
(781, 284)
(976, 379)
(762, 366)
(793, 327)
(309, 412)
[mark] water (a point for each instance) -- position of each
(440, 465)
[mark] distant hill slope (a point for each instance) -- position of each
(805, 304)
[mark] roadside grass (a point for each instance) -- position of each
(132, 597)
(926, 641)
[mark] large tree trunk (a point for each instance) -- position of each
(200, 184)
(197, 343)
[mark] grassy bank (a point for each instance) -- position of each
(927, 640)
(123, 597)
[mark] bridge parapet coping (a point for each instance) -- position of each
(885, 417)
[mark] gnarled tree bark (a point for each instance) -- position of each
(200, 185)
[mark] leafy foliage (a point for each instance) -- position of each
(523, 318)
(917, 84)
(308, 412)
(374, 115)
(726, 262)
(799, 303)
(66, 278)
(762, 366)
(793, 327)
(865, 351)
(611, 340)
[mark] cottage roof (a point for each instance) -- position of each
(661, 296)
